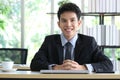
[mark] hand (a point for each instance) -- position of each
(69, 65)
(72, 65)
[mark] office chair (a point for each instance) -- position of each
(18, 55)
(112, 50)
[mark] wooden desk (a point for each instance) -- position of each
(20, 67)
(36, 75)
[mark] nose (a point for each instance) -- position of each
(68, 23)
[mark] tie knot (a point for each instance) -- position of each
(68, 44)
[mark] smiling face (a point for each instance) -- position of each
(69, 24)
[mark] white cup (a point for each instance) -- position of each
(7, 65)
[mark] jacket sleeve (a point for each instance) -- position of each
(101, 62)
(40, 61)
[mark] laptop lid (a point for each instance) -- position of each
(64, 71)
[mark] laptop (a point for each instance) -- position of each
(64, 71)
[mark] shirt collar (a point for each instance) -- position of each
(72, 41)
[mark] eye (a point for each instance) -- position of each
(63, 20)
(73, 20)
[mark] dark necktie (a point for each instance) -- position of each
(68, 50)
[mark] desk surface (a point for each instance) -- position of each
(37, 75)
(20, 67)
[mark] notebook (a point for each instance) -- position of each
(64, 71)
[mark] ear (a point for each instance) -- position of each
(79, 23)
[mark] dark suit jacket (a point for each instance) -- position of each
(86, 52)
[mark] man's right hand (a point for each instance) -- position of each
(69, 65)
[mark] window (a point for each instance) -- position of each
(37, 24)
(10, 15)
(25, 23)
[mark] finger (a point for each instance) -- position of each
(68, 60)
(69, 65)
(75, 63)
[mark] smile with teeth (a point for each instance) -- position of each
(68, 30)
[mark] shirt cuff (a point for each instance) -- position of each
(50, 66)
(89, 67)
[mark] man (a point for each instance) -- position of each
(84, 55)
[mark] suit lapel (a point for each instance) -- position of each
(59, 49)
(78, 48)
(60, 53)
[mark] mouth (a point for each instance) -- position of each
(68, 30)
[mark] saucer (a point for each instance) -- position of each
(9, 70)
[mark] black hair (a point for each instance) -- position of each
(69, 7)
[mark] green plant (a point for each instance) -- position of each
(1, 24)
(119, 59)
(62, 2)
(4, 11)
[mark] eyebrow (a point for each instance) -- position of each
(65, 19)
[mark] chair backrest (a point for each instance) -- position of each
(112, 50)
(18, 55)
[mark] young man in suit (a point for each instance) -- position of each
(85, 53)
